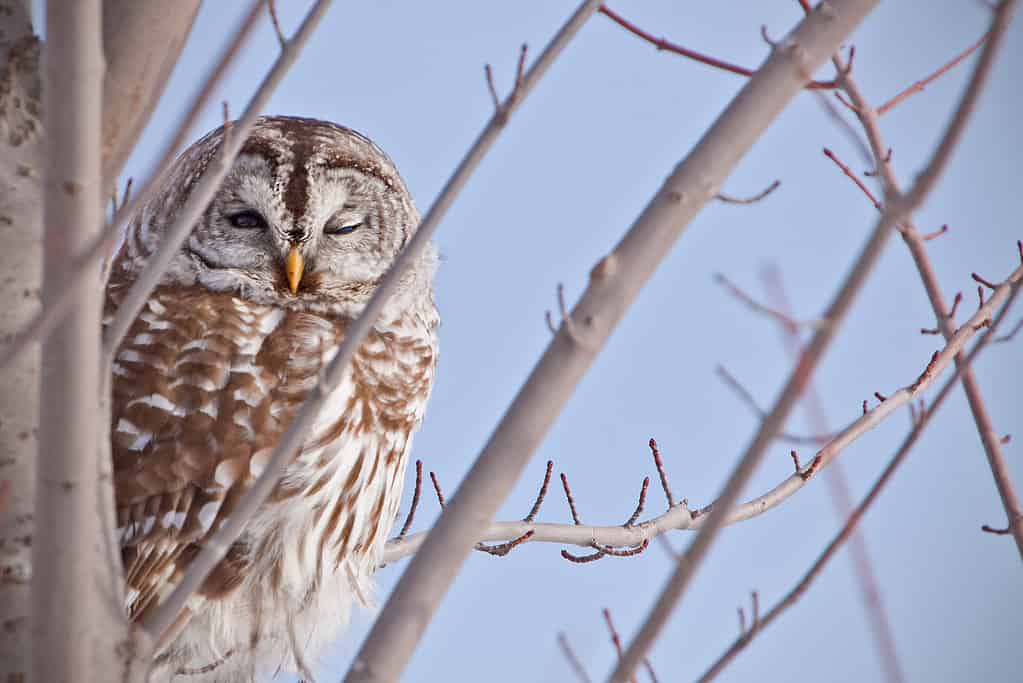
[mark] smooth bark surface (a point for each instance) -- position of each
(20, 226)
(142, 40)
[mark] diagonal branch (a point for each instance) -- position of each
(842, 501)
(897, 211)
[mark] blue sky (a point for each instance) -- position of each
(558, 190)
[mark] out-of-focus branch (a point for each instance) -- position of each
(83, 268)
(201, 195)
(77, 633)
(854, 518)
(615, 281)
(842, 501)
(916, 244)
(680, 518)
(899, 208)
(142, 40)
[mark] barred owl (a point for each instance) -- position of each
(215, 367)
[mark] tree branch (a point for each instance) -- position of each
(915, 243)
(897, 211)
(76, 633)
(680, 518)
(854, 518)
(842, 501)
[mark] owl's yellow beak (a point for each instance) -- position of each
(293, 267)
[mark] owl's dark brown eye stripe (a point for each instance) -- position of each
(247, 220)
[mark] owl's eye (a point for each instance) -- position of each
(341, 229)
(247, 220)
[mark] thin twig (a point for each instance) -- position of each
(921, 84)
(573, 660)
(659, 464)
(842, 501)
(668, 46)
(415, 501)
(729, 199)
(541, 495)
(747, 398)
(787, 321)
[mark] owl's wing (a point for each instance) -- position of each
(203, 386)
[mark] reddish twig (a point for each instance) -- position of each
(541, 495)
(982, 281)
(659, 464)
(436, 488)
(921, 84)
(415, 500)
(787, 321)
(617, 642)
(852, 176)
(668, 46)
(573, 660)
(928, 236)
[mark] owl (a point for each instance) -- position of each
(218, 363)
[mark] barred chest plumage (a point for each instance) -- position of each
(203, 387)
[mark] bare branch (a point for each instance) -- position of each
(787, 321)
(729, 199)
(667, 46)
(70, 538)
(899, 209)
(680, 518)
(747, 398)
(573, 660)
(915, 242)
(921, 84)
(842, 501)
(415, 501)
(854, 518)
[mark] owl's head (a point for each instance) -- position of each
(310, 216)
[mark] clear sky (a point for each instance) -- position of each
(558, 190)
